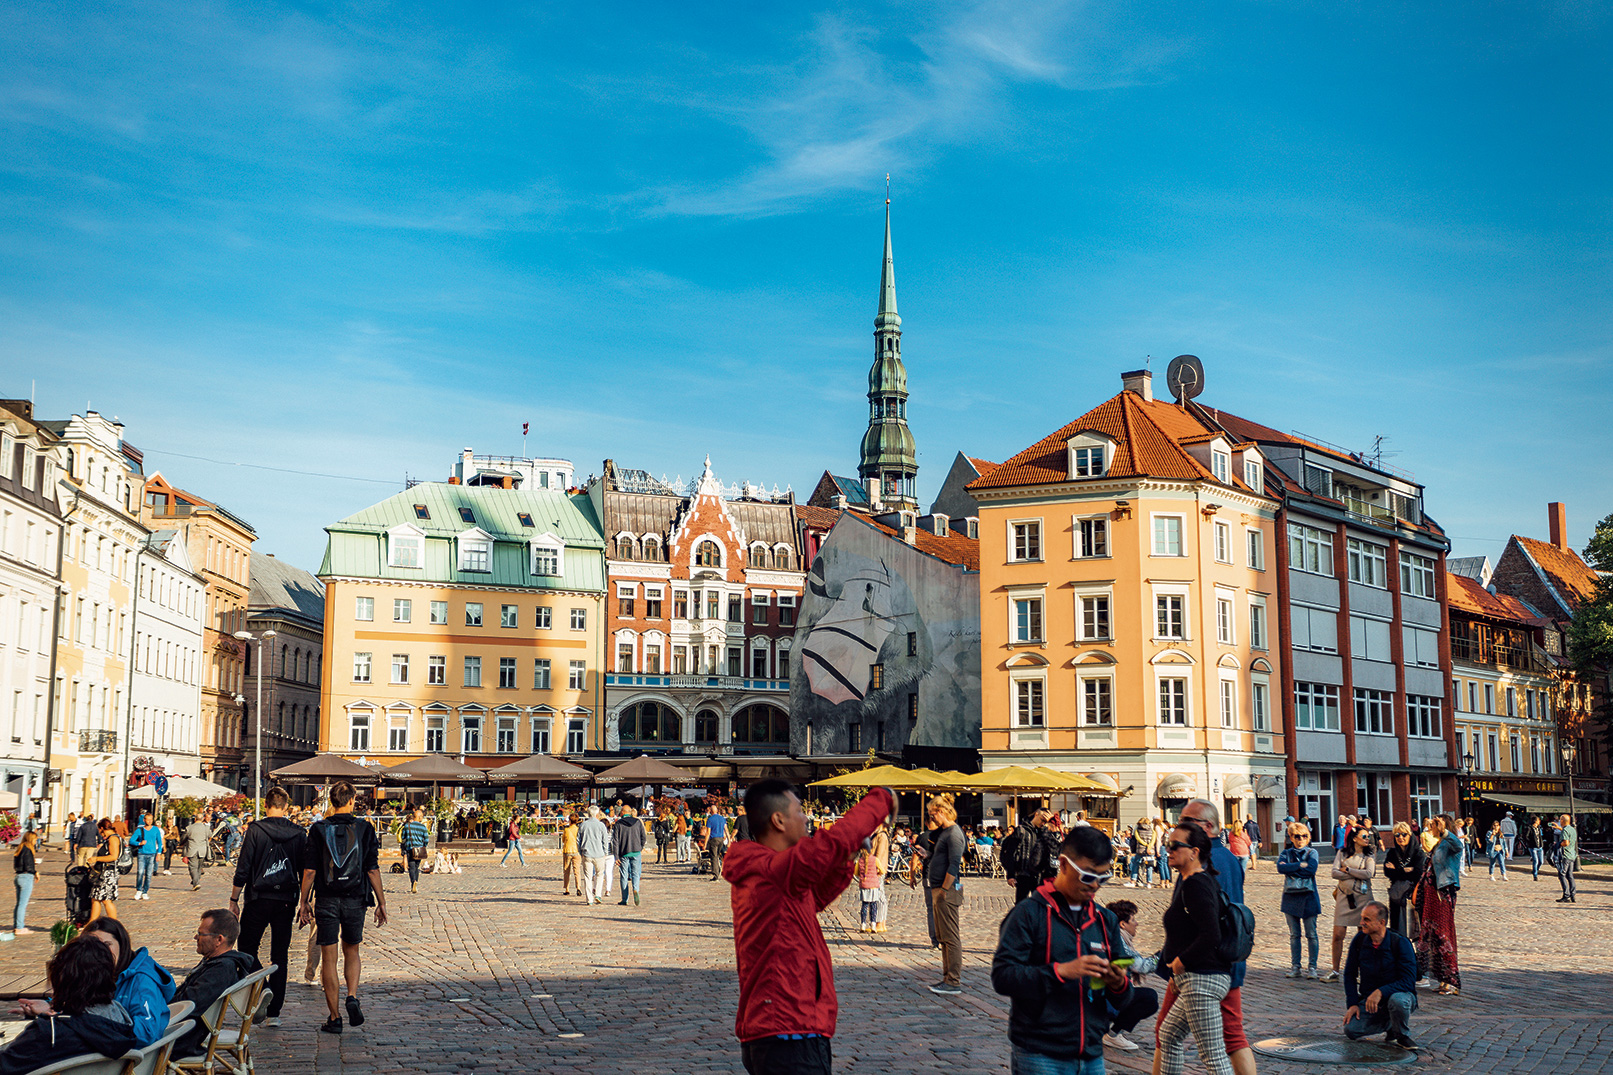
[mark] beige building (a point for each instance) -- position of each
(97, 487)
(220, 548)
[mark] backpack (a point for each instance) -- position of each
(275, 875)
(125, 856)
(1237, 930)
(344, 859)
(1027, 858)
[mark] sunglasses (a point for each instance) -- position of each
(1299, 836)
(1177, 845)
(1093, 879)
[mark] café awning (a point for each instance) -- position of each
(1547, 804)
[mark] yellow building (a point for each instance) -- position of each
(1128, 609)
(464, 620)
(97, 487)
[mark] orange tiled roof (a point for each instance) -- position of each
(953, 548)
(1148, 436)
(1467, 595)
(817, 518)
(982, 466)
(1572, 577)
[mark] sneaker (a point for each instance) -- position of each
(355, 1016)
(635, 897)
(273, 1020)
(1312, 975)
(24, 931)
(1120, 1041)
(333, 1026)
(1403, 1041)
(946, 989)
(1330, 976)
(1295, 973)
(167, 873)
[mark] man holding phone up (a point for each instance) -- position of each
(1060, 961)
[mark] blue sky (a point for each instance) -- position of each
(352, 239)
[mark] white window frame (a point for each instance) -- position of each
(1417, 575)
(1081, 548)
(1227, 700)
(1181, 594)
(577, 675)
(579, 619)
(437, 670)
(1032, 533)
(1221, 465)
(1081, 599)
(1303, 637)
(1226, 618)
(1038, 680)
(1370, 638)
(400, 668)
(1373, 711)
(404, 537)
(358, 730)
(547, 556)
(402, 610)
(1107, 680)
(1314, 547)
(471, 547)
(1223, 542)
(1424, 717)
(438, 613)
(470, 724)
(543, 618)
(1254, 473)
(509, 615)
(1260, 702)
(1259, 624)
(1175, 674)
(1313, 693)
(1368, 562)
(1036, 606)
(542, 673)
(471, 671)
(1254, 547)
(363, 667)
(364, 609)
(480, 613)
(1160, 547)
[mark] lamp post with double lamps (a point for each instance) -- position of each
(1568, 771)
(257, 737)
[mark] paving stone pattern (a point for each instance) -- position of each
(490, 970)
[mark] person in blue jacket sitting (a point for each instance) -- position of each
(144, 988)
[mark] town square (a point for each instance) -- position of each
(1027, 537)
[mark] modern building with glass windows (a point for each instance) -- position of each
(464, 620)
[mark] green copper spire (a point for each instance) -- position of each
(887, 282)
(889, 457)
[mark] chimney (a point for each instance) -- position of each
(875, 500)
(1138, 381)
(453, 479)
(910, 535)
(839, 501)
(506, 482)
(1557, 517)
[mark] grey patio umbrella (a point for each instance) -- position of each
(542, 768)
(324, 769)
(437, 768)
(644, 770)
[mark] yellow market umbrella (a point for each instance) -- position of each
(1074, 781)
(1019, 778)
(880, 776)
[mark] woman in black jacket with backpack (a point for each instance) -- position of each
(1200, 979)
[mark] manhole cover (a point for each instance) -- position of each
(1335, 1051)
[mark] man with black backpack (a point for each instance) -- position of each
(1030, 854)
(341, 874)
(269, 869)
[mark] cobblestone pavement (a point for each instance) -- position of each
(493, 970)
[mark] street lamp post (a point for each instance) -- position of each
(1466, 773)
(257, 736)
(1568, 771)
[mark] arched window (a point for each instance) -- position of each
(652, 549)
(649, 722)
(705, 726)
(624, 549)
(762, 724)
(784, 559)
(759, 557)
(708, 554)
(284, 670)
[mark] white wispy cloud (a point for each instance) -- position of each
(856, 102)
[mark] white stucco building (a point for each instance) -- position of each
(165, 709)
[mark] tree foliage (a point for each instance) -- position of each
(1590, 632)
(1599, 550)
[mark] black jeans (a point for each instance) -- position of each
(275, 916)
(787, 1056)
(414, 869)
(1144, 1002)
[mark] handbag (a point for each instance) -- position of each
(1399, 890)
(417, 853)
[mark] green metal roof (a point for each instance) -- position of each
(357, 545)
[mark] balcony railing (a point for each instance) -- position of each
(91, 741)
(1499, 654)
(724, 683)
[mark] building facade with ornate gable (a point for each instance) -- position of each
(98, 488)
(31, 602)
(705, 584)
(219, 544)
(463, 620)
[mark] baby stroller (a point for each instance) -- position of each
(78, 894)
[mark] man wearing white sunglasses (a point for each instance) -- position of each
(1054, 961)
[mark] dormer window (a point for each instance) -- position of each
(1089, 455)
(1221, 465)
(475, 553)
(1253, 475)
(404, 547)
(546, 556)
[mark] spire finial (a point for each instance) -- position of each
(887, 317)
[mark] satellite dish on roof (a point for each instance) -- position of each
(1185, 376)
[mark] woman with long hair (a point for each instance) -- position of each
(104, 872)
(1436, 909)
(1354, 867)
(881, 851)
(25, 861)
(1495, 845)
(1200, 978)
(1162, 860)
(1403, 866)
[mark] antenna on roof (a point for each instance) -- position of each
(1376, 455)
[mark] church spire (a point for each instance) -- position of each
(889, 457)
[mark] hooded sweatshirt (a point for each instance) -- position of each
(271, 861)
(1058, 1017)
(786, 980)
(206, 982)
(627, 838)
(145, 990)
(103, 1029)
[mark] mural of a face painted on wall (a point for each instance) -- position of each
(887, 650)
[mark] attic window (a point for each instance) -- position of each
(1221, 466)
(525, 517)
(422, 512)
(466, 515)
(1089, 462)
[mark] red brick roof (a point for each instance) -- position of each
(982, 466)
(1148, 436)
(817, 518)
(951, 547)
(1571, 576)
(1468, 595)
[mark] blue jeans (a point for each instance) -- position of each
(631, 866)
(1498, 859)
(514, 845)
(144, 867)
(232, 845)
(1164, 866)
(1393, 1015)
(1136, 867)
(1025, 1062)
(25, 888)
(1294, 922)
(1537, 856)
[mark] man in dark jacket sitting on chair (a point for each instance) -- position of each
(221, 967)
(1380, 980)
(1051, 948)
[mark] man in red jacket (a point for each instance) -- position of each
(781, 879)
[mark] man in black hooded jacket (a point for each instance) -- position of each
(269, 868)
(1051, 949)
